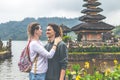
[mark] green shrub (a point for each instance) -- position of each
(66, 38)
(96, 49)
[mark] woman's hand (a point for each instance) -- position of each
(57, 40)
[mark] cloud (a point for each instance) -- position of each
(19, 9)
(110, 5)
(113, 18)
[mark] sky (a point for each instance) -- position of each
(17, 10)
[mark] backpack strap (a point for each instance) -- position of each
(27, 50)
(36, 58)
(35, 61)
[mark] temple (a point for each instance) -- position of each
(65, 29)
(92, 28)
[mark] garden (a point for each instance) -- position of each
(82, 73)
(93, 62)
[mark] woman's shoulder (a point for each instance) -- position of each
(33, 42)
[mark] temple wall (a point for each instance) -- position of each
(101, 61)
(84, 57)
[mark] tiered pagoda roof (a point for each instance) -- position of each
(93, 26)
(89, 0)
(91, 19)
(92, 4)
(91, 10)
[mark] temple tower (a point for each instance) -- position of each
(92, 28)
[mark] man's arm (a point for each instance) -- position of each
(62, 74)
(63, 60)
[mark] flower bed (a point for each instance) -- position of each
(81, 73)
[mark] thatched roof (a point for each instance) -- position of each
(92, 26)
(65, 28)
(91, 4)
(92, 17)
(91, 10)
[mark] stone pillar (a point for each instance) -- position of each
(1, 44)
(9, 45)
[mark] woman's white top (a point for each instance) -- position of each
(36, 47)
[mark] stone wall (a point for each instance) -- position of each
(101, 61)
(85, 57)
(5, 55)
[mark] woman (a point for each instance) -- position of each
(38, 54)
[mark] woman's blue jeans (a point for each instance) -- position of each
(40, 76)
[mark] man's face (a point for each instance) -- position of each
(50, 32)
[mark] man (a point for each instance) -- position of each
(58, 64)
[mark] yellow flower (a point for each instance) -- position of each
(87, 65)
(107, 71)
(97, 72)
(73, 72)
(85, 73)
(118, 67)
(104, 63)
(93, 60)
(115, 62)
(97, 79)
(78, 77)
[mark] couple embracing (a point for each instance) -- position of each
(52, 58)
